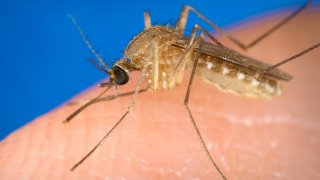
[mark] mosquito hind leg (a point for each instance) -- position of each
(182, 21)
(290, 58)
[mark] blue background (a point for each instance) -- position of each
(43, 58)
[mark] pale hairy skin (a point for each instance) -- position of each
(248, 138)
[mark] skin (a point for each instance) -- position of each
(248, 138)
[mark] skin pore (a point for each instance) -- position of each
(248, 138)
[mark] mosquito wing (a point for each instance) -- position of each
(237, 59)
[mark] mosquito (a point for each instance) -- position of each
(163, 53)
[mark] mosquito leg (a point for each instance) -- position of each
(197, 41)
(147, 20)
(116, 125)
(112, 97)
(98, 99)
(182, 21)
(231, 53)
(71, 116)
(102, 85)
(106, 98)
(155, 65)
(130, 108)
(290, 58)
(190, 47)
(101, 141)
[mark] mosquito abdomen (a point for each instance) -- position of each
(235, 79)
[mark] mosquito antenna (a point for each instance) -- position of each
(96, 99)
(89, 44)
(291, 58)
(97, 65)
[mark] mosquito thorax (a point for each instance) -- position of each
(140, 44)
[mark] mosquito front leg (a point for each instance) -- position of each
(182, 21)
(97, 99)
(71, 116)
(106, 98)
(143, 72)
(130, 108)
(102, 85)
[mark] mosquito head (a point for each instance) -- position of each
(120, 72)
(120, 75)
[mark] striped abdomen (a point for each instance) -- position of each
(236, 79)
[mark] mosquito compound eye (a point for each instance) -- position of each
(121, 76)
